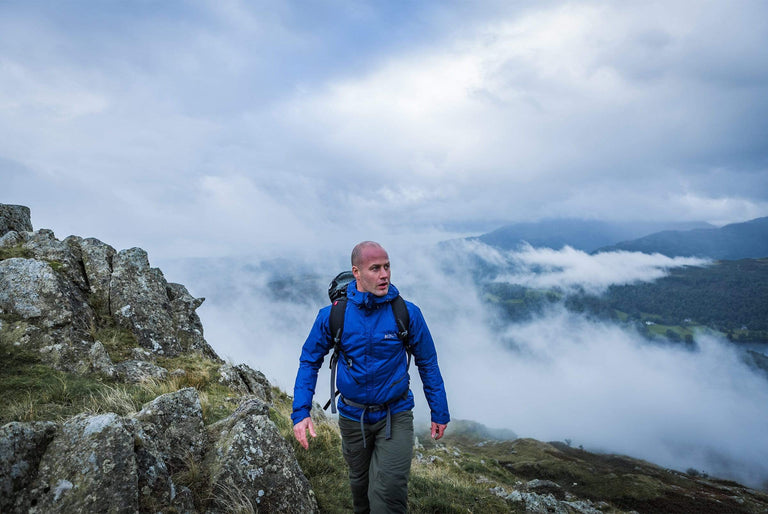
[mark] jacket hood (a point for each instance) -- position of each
(369, 300)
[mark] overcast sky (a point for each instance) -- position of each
(211, 128)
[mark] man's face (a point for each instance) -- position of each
(373, 273)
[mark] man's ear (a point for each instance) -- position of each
(355, 272)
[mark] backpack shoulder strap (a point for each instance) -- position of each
(336, 328)
(336, 321)
(403, 320)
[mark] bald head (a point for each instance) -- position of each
(370, 266)
(359, 250)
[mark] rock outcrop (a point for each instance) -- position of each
(104, 462)
(88, 465)
(57, 300)
(61, 292)
(160, 315)
(250, 457)
(16, 218)
(245, 380)
(22, 446)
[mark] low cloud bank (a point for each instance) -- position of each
(570, 269)
(558, 376)
(562, 377)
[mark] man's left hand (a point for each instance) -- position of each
(437, 430)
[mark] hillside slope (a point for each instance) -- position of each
(748, 240)
(585, 235)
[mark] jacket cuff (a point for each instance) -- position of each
(297, 416)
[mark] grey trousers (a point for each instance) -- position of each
(378, 473)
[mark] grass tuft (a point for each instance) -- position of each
(231, 499)
(32, 391)
(118, 341)
(118, 398)
(200, 371)
(442, 487)
(56, 266)
(17, 251)
(196, 478)
(323, 464)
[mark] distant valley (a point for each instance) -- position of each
(730, 297)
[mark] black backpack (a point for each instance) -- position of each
(337, 292)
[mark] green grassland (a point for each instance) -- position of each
(33, 391)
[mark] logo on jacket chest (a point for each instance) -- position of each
(390, 335)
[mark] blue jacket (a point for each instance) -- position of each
(378, 373)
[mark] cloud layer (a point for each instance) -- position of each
(560, 376)
(571, 269)
(555, 377)
(217, 121)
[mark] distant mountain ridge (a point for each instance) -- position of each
(744, 240)
(747, 240)
(585, 235)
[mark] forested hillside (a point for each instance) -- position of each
(734, 241)
(728, 296)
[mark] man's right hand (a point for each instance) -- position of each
(300, 431)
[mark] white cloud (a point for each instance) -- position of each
(528, 115)
(555, 377)
(720, 209)
(49, 93)
(569, 268)
(608, 389)
(238, 206)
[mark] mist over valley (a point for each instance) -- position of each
(532, 340)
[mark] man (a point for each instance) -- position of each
(375, 404)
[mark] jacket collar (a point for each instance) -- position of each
(368, 300)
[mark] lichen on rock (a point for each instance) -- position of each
(245, 380)
(249, 454)
(22, 446)
(89, 466)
